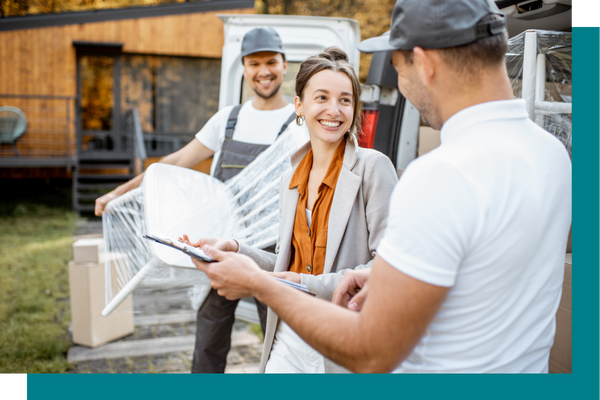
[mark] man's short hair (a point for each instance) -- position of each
(484, 52)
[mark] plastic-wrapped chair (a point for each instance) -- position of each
(539, 64)
(174, 201)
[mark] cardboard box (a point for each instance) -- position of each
(90, 328)
(89, 250)
(560, 355)
(429, 139)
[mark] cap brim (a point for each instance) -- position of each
(269, 49)
(373, 45)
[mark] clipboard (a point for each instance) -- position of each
(201, 255)
(176, 244)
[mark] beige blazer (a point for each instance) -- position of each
(356, 223)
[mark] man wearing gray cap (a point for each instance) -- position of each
(468, 275)
(236, 135)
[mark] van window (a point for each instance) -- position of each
(288, 87)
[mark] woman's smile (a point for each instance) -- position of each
(330, 124)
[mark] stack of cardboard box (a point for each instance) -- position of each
(560, 356)
(87, 287)
(429, 139)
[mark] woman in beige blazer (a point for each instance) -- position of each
(327, 101)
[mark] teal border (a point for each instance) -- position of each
(583, 383)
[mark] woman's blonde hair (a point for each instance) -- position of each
(334, 59)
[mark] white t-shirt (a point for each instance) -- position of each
(253, 126)
(487, 214)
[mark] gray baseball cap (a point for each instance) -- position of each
(262, 39)
(436, 24)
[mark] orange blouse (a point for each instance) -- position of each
(308, 245)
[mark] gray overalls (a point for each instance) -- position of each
(235, 156)
(215, 317)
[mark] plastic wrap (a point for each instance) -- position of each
(539, 65)
(174, 201)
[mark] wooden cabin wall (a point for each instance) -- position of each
(42, 61)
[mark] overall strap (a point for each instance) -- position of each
(231, 121)
(287, 123)
(235, 156)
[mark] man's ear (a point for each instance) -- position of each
(425, 62)
(244, 71)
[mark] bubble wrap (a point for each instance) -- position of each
(553, 57)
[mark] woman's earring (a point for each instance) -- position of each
(299, 120)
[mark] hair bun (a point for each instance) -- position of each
(334, 54)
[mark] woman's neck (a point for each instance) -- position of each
(323, 153)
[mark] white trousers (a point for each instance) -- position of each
(291, 354)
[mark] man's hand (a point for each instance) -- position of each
(353, 289)
(288, 276)
(216, 243)
(190, 155)
(233, 275)
(101, 202)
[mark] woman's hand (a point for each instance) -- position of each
(217, 243)
(353, 289)
(288, 276)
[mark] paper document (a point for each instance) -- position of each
(298, 286)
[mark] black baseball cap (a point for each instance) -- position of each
(262, 39)
(436, 24)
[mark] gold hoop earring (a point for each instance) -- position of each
(299, 120)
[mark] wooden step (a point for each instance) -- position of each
(89, 196)
(103, 166)
(99, 186)
(84, 207)
(105, 177)
(104, 157)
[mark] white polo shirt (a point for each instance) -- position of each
(487, 214)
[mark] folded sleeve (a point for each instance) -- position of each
(212, 133)
(264, 259)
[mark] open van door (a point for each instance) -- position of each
(549, 15)
(302, 37)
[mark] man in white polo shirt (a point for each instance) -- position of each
(469, 273)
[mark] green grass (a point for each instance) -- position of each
(35, 237)
(257, 330)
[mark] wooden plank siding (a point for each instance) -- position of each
(42, 61)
